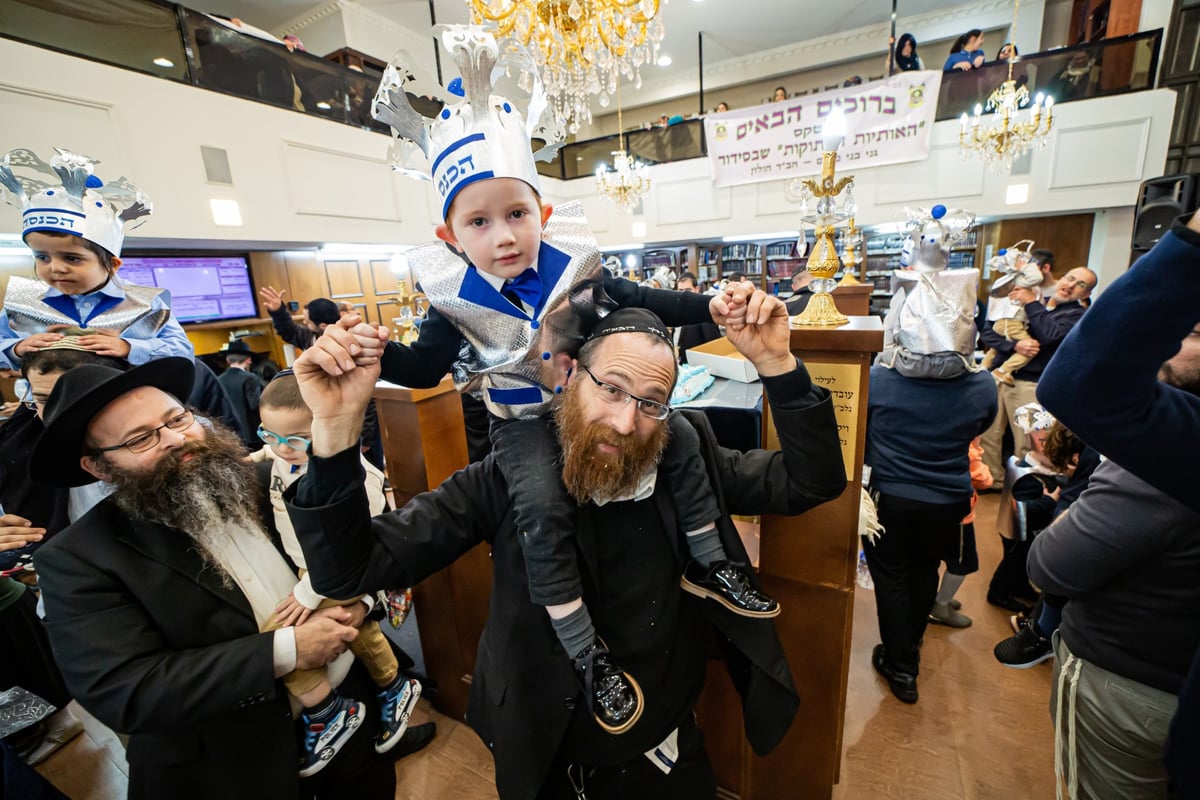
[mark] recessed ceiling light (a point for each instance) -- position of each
(664, 61)
(165, 63)
(324, 106)
(1016, 194)
(225, 212)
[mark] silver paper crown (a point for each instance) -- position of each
(929, 330)
(483, 135)
(73, 200)
(931, 234)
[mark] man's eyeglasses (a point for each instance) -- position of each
(295, 442)
(615, 394)
(145, 441)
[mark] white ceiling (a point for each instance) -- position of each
(731, 28)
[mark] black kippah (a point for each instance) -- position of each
(630, 320)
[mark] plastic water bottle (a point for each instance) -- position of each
(864, 573)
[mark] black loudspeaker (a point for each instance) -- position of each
(1160, 201)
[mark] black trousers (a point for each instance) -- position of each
(690, 779)
(904, 564)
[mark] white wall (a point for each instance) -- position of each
(303, 180)
(1112, 236)
(1097, 155)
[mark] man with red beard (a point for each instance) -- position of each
(155, 598)
(525, 701)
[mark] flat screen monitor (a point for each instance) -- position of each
(203, 288)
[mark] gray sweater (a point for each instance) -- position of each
(1127, 556)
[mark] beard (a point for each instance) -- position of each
(199, 496)
(588, 473)
(1187, 379)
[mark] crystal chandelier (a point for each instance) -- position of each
(627, 183)
(581, 47)
(1006, 136)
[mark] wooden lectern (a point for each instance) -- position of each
(425, 442)
(808, 563)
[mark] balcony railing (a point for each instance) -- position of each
(171, 42)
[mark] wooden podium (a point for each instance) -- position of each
(424, 443)
(808, 563)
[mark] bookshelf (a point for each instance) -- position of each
(708, 265)
(744, 257)
(782, 261)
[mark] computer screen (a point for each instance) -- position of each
(203, 288)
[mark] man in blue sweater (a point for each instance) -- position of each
(1048, 326)
(1121, 411)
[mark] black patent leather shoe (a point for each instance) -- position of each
(902, 684)
(728, 584)
(613, 696)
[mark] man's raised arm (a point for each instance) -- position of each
(1103, 381)
(350, 553)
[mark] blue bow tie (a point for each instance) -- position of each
(527, 286)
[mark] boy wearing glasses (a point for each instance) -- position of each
(514, 286)
(286, 430)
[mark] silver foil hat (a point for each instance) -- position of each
(65, 196)
(931, 234)
(481, 136)
(929, 330)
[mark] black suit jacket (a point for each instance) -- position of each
(524, 689)
(244, 390)
(152, 644)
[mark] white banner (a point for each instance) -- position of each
(887, 122)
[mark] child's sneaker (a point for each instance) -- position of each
(396, 703)
(328, 732)
(1002, 376)
(728, 584)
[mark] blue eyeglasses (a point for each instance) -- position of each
(295, 442)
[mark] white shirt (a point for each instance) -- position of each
(264, 578)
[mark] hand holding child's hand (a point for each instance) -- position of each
(371, 346)
(105, 342)
(291, 612)
(728, 308)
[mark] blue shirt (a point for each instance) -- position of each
(170, 340)
(962, 56)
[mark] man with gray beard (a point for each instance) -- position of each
(525, 702)
(156, 597)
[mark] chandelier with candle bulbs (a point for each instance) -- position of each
(581, 47)
(628, 182)
(1006, 136)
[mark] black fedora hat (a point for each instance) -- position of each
(80, 394)
(238, 346)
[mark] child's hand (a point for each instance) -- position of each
(104, 342)
(34, 342)
(371, 346)
(728, 308)
(290, 612)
